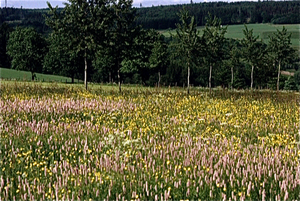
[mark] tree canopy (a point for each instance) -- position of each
(26, 48)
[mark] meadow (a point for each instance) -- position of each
(61, 142)
(261, 30)
(18, 75)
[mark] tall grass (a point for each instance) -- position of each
(62, 142)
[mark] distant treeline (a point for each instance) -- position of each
(34, 18)
(276, 12)
(164, 17)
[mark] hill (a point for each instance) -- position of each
(262, 30)
(10, 74)
(275, 12)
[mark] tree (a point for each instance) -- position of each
(280, 47)
(62, 58)
(103, 63)
(140, 52)
(4, 36)
(234, 59)
(297, 78)
(214, 40)
(253, 50)
(188, 40)
(121, 34)
(84, 24)
(159, 56)
(27, 49)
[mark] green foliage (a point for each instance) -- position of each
(281, 50)
(4, 36)
(62, 59)
(159, 57)
(189, 40)
(280, 46)
(253, 52)
(101, 39)
(214, 41)
(140, 52)
(297, 78)
(290, 84)
(121, 34)
(27, 49)
(164, 17)
(83, 24)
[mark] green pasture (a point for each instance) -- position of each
(262, 30)
(11, 74)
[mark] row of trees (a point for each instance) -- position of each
(99, 41)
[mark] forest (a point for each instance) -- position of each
(276, 12)
(112, 42)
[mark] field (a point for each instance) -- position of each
(262, 30)
(61, 142)
(11, 74)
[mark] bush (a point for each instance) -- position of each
(290, 84)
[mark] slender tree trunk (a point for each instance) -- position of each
(119, 80)
(158, 79)
(278, 76)
(32, 76)
(188, 74)
(109, 76)
(231, 77)
(188, 79)
(209, 80)
(252, 77)
(85, 71)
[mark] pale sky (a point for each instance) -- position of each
(136, 3)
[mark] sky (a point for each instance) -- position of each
(59, 3)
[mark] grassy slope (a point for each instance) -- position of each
(26, 76)
(236, 31)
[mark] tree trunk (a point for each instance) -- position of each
(32, 76)
(109, 77)
(188, 79)
(231, 78)
(119, 81)
(278, 76)
(252, 77)
(158, 84)
(209, 80)
(85, 71)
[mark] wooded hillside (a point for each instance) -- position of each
(277, 12)
(164, 17)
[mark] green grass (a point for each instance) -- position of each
(262, 30)
(11, 74)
